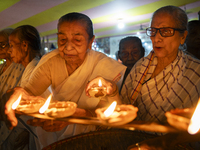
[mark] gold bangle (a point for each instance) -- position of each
(138, 146)
(114, 93)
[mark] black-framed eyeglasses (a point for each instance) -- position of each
(3, 45)
(126, 54)
(164, 32)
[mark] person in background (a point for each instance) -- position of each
(4, 45)
(117, 57)
(193, 38)
(164, 80)
(130, 51)
(68, 70)
(25, 46)
(10, 73)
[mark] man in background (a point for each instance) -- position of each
(130, 51)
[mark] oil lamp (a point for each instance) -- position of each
(116, 114)
(98, 91)
(58, 109)
(27, 106)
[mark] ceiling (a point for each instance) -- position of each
(105, 14)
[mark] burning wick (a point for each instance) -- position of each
(98, 91)
(100, 84)
(194, 125)
(108, 112)
(16, 103)
(46, 105)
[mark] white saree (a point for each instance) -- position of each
(11, 77)
(52, 70)
(8, 137)
(177, 86)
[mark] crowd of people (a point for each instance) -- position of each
(166, 79)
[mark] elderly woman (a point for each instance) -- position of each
(25, 46)
(4, 43)
(68, 70)
(166, 79)
(169, 78)
(10, 73)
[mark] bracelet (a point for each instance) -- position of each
(114, 93)
(138, 146)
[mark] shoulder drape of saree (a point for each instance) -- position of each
(11, 77)
(95, 64)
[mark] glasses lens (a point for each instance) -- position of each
(166, 32)
(3, 45)
(151, 31)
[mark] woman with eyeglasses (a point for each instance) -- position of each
(25, 48)
(169, 78)
(10, 72)
(164, 80)
(4, 46)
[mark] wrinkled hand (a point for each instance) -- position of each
(186, 112)
(7, 113)
(110, 85)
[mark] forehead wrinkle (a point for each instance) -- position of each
(74, 34)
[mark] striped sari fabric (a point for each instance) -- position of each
(177, 86)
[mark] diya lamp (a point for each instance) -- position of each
(27, 106)
(98, 91)
(116, 114)
(58, 109)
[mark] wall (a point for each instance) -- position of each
(110, 45)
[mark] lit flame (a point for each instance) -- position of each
(194, 125)
(110, 109)
(16, 103)
(46, 104)
(100, 84)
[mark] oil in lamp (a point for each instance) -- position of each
(116, 114)
(98, 91)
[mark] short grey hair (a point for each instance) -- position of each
(179, 15)
(31, 35)
(82, 18)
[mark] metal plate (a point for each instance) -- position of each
(134, 125)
